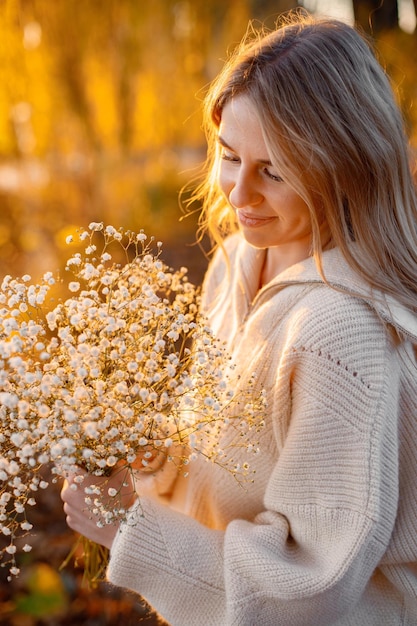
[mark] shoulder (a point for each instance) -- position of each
(339, 339)
(324, 313)
(325, 303)
(323, 330)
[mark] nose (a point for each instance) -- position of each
(245, 190)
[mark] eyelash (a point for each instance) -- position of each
(228, 157)
(232, 159)
(276, 179)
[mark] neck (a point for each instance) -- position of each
(277, 260)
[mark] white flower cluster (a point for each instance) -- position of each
(123, 365)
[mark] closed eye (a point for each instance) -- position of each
(274, 177)
(226, 152)
(229, 156)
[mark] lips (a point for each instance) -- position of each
(252, 221)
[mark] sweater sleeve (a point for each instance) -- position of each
(329, 505)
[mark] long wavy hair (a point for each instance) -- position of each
(334, 130)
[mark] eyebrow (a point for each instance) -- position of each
(224, 143)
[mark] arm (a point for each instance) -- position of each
(329, 505)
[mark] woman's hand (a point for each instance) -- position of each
(80, 516)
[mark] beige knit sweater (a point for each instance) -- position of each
(327, 533)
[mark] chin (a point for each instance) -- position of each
(255, 241)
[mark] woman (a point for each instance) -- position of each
(314, 287)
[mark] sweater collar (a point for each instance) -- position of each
(339, 275)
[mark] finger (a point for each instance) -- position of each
(74, 521)
(64, 490)
(72, 492)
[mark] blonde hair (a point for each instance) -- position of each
(326, 104)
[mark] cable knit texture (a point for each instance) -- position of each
(327, 532)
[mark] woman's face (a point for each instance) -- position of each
(270, 213)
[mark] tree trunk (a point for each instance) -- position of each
(375, 16)
(266, 10)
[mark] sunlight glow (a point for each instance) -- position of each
(407, 15)
(340, 9)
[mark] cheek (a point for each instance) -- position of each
(298, 207)
(305, 219)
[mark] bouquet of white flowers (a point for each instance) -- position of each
(124, 365)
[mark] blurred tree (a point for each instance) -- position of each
(375, 16)
(267, 10)
(100, 112)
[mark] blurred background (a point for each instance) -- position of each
(100, 120)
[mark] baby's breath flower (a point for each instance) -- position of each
(75, 260)
(96, 226)
(122, 366)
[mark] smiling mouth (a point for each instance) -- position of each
(246, 219)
